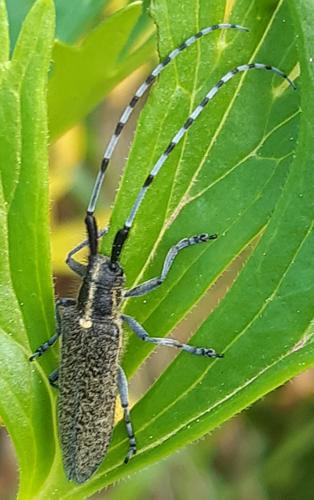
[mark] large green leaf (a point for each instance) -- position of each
(26, 292)
(263, 325)
(229, 171)
(82, 75)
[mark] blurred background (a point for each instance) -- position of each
(265, 453)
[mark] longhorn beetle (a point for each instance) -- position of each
(90, 374)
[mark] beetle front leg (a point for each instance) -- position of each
(150, 285)
(75, 266)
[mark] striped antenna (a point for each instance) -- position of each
(122, 234)
(138, 94)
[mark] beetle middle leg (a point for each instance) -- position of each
(153, 283)
(53, 378)
(50, 342)
(143, 335)
(124, 398)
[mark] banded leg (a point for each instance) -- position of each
(143, 335)
(153, 283)
(53, 378)
(50, 342)
(75, 266)
(123, 392)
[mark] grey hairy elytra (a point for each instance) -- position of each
(90, 375)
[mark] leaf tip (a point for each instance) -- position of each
(4, 29)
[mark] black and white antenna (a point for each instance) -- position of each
(123, 233)
(138, 94)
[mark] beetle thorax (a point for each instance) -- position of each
(101, 291)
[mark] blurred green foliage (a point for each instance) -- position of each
(71, 21)
(81, 76)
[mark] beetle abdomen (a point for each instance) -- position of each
(87, 396)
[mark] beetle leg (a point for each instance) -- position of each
(123, 392)
(143, 335)
(53, 378)
(50, 342)
(153, 283)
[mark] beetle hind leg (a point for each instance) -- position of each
(123, 392)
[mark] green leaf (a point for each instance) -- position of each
(4, 34)
(17, 11)
(245, 187)
(71, 22)
(142, 24)
(82, 75)
(26, 291)
(228, 172)
(30, 261)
